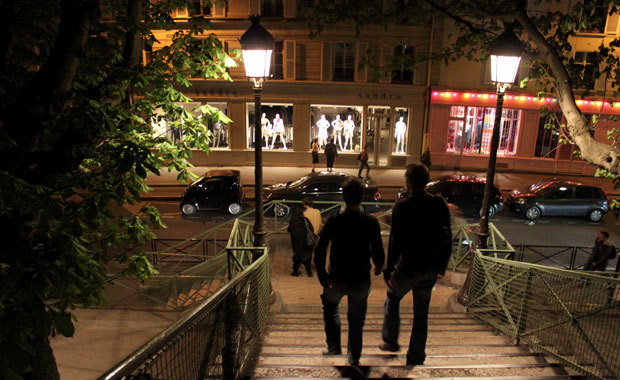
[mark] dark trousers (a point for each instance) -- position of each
(307, 264)
(363, 164)
(357, 297)
(422, 286)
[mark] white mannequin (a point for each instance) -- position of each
(278, 130)
(349, 132)
(338, 125)
(399, 131)
(323, 125)
(266, 130)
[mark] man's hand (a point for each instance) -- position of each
(440, 275)
(376, 270)
(389, 283)
(325, 282)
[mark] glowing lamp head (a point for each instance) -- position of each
(506, 53)
(256, 47)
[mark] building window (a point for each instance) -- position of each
(586, 65)
(272, 8)
(548, 136)
(277, 67)
(344, 65)
(276, 122)
(403, 61)
(470, 130)
(342, 123)
(200, 8)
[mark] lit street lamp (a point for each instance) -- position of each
(257, 46)
(506, 53)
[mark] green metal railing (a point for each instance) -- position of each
(463, 241)
(220, 338)
(572, 316)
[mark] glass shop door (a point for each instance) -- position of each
(378, 135)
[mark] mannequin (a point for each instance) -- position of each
(266, 130)
(323, 125)
(278, 130)
(338, 125)
(349, 132)
(399, 131)
(217, 132)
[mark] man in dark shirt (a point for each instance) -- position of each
(601, 253)
(418, 254)
(355, 239)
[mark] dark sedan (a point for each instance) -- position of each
(323, 186)
(216, 190)
(553, 197)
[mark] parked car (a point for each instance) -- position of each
(320, 186)
(464, 192)
(216, 190)
(553, 197)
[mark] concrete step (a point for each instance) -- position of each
(510, 377)
(431, 349)
(376, 326)
(375, 339)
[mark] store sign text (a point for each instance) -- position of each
(217, 92)
(378, 96)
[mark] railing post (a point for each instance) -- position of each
(573, 259)
(228, 359)
(525, 306)
(175, 293)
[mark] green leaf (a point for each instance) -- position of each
(63, 323)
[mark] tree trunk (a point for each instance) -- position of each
(44, 363)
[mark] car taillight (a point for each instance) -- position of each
(376, 196)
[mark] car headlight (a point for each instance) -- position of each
(520, 201)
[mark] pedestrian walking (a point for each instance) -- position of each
(418, 254)
(602, 252)
(355, 239)
(363, 159)
(313, 215)
(331, 152)
(315, 153)
(302, 254)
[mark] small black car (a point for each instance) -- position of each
(322, 186)
(553, 197)
(465, 192)
(216, 190)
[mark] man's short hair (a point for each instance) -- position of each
(605, 233)
(417, 175)
(353, 191)
(307, 201)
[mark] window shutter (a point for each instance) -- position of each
(326, 67)
(254, 7)
(289, 60)
(387, 52)
(289, 8)
(612, 24)
(361, 75)
(419, 75)
(218, 10)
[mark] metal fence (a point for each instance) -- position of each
(569, 315)
(220, 338)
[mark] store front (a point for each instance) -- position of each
(461, 126)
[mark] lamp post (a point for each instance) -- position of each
(506, 52)
(257, 46)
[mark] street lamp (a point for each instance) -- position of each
(257, 46)
(506, 52)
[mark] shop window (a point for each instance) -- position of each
(470, 130)
(272, 8)
(344, 65)
(200, 8)
(403, 60)
(276, 122)
(400, 131)
(548, 136)
(277, 67)
(342, 123)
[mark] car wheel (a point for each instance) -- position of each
(595, 215)
(532, 213)
(234, 208)
(188, 209)
(491, 212)
(281, 210)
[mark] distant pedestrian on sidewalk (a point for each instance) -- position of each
(302, 254)
(363, 159)
(418, 254)
(602, 251)
(315, 153)
(355, 239)
(331, 152)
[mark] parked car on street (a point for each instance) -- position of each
(464, 192)
(553, 197)
(320, 186)
(216, 190)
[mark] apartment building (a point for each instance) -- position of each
(318, 89)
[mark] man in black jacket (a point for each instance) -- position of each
(355, 239)
(601, 253)
(418, 254)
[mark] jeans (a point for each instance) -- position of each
(357, 296)
(422, 286)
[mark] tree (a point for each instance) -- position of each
(544, 26)
(78, 106)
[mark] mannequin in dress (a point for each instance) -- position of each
(349, 132)
(338, 125)
(323, 125)
(217, 132)
(400, 130)
(266, 130)
(278, 130)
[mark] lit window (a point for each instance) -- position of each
(344, 57)
(403, 61)
(200, 8)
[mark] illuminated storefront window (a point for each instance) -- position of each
(342, 123)
(470, 130)
(400, 131)
(276, 122)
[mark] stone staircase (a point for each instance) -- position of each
(458, 347)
